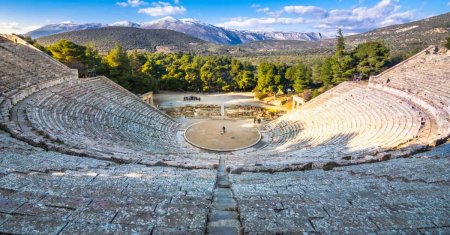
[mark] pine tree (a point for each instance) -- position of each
(93, 62)
(342, 64)
(70, 54)
(371, 57)
(303, 77)
(340, 43)
(326, 73)
(119, 66)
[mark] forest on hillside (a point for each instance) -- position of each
(141, 72)
(130, 38)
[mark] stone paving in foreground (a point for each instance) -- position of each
(119, 199)
(403, 196)
(44, 192)
(50, 193)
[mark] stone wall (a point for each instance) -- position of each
(194, 111)
(214, 111)
(242, 111)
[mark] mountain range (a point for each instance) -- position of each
(131, 38)
(402, 39)
(192, 27)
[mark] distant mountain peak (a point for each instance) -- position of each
(192, 27)
(164, 19)
(190, 20)
(62, 28)
(125, 23)
(221, 35)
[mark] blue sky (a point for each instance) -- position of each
(353, 16)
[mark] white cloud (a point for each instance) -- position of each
(265, 9)
(448, 4)
(397, 18)
(302, 10)
(176, 1)
(242, 22)
(360, 19)
(14, 27)
(352, 20)
(132, 3)
(162, 9)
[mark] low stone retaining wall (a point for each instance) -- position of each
(233, 111)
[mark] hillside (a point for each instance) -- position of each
(130, 38)
(402, 39)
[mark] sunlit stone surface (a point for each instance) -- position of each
(84, 156)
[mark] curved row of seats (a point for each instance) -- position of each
(358, 199)
(353, 121)
(96, 117)
(25, 70)
(358, 119)
(94, 114)
(408, 105)
(423, 79)
(24, 66)
(45, 192)
(45, 104)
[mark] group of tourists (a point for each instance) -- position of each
(192, 98)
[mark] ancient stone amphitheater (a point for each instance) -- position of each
(84, 156)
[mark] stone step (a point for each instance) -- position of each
(224, 217)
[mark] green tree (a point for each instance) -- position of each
(139, 82)
(300, 74)
(236, 67)
(342, 63)
(93, 62)
(326, 72)
(207, 75)
(153, 71)
(70, 54)
(119, 66)
(315, 72)
(371, 57)
(340, 42)
(269, 78)
(245, 80)
(174, 78)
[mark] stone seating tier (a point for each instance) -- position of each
(24, 66)
(93, 114)
(390, 197)
(47, 191)
(96, 117)
(423, 80)
(355, 121)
